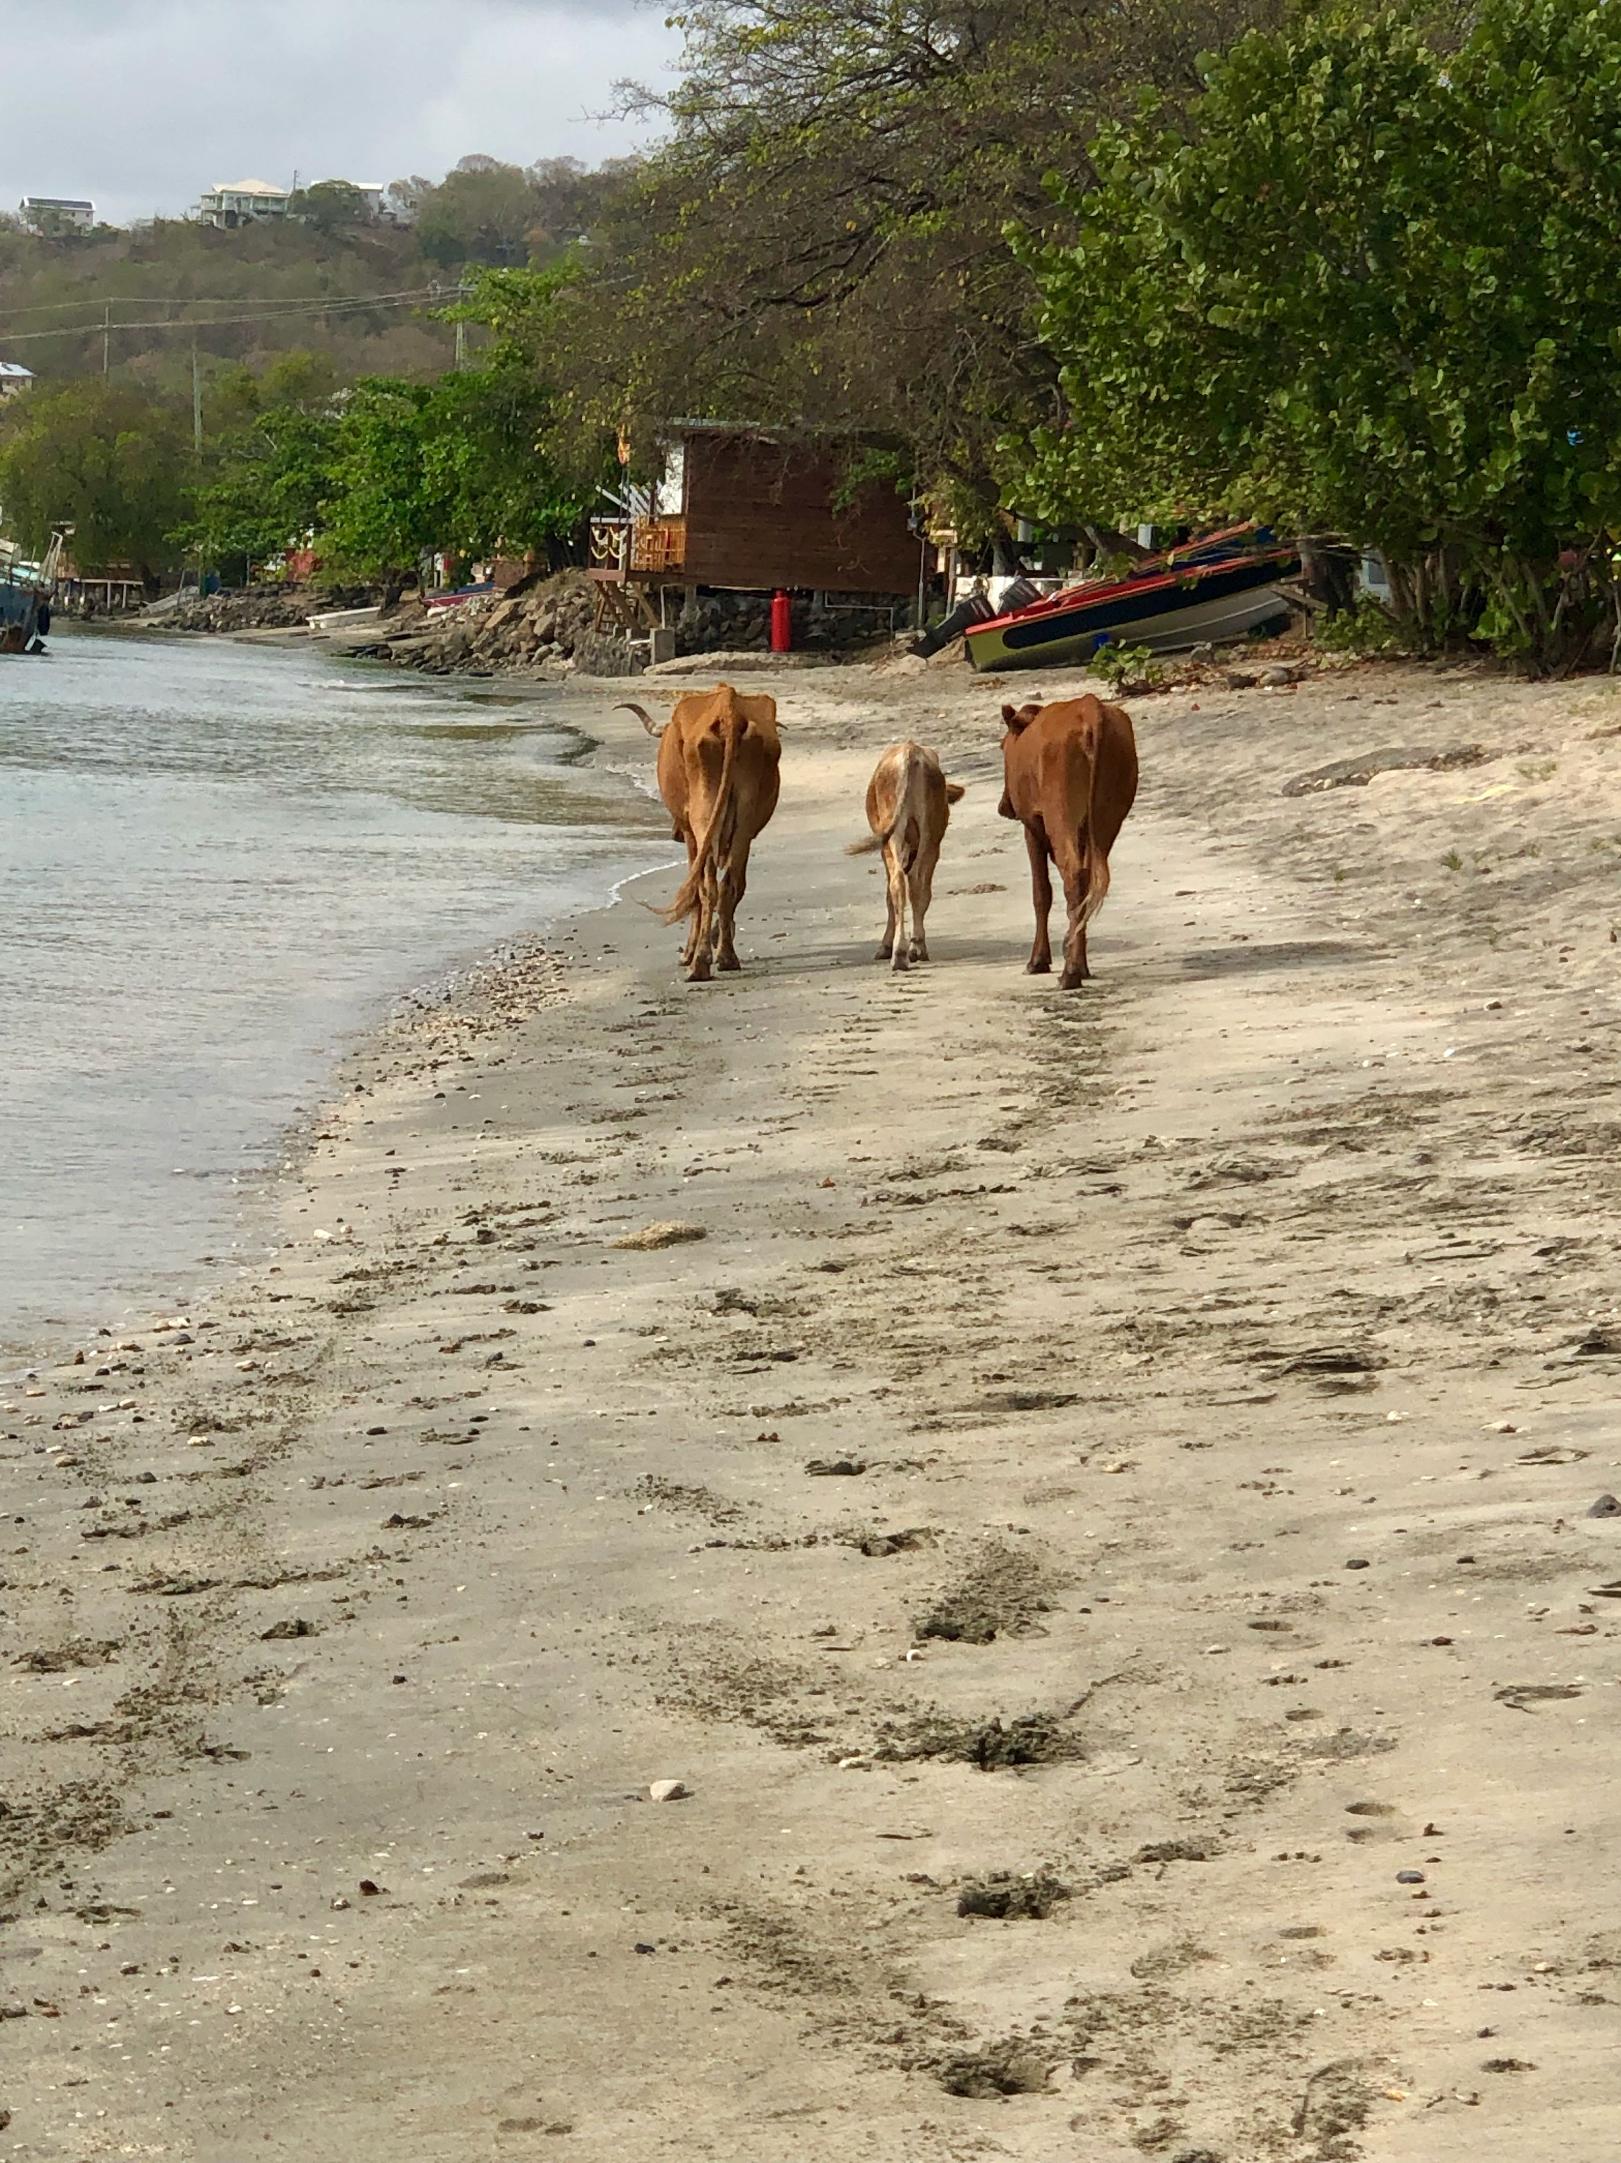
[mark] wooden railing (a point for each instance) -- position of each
(658, 544)
(610, 542)
(645, 545)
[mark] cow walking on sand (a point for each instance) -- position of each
(1071, 771)
(909, 803)
(718, 764)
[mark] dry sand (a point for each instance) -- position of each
(1126, 1460)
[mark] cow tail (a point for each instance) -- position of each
(1097, 863)
(691, 889)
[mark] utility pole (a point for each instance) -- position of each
(462, 291)
(196, 403)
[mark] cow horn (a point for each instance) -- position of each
(642, 715)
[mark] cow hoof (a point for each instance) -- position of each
(728, 962)
(1038, 968)
(1072, 980)
(899, 965)
(883, 953)
(917, 951)
(699, 972)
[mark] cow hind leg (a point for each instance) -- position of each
(887, 947)
(920, 887)
(703, 930)
(731, 885)
(1076, 969)
(897, 908)
(1041, 887)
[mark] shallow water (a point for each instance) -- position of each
(216, 863)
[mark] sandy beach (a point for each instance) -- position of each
(1103, 1510)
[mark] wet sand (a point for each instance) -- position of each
(1125, 1460)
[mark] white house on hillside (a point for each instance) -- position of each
(233, 203)
(14, 378)
(230, 203)
(57, 214)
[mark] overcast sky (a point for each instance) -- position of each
(142, 104)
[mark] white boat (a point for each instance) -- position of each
(341, 619)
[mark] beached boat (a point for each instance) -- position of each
(26, 592)
(343, 619)
(1215, 590)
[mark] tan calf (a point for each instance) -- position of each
(718, 764)
(909, 804)
(1071, 779)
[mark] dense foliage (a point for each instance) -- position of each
(104, 457)
(1366, 286)
(387, 470)
(820, 241)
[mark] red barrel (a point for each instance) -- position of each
(782, 622)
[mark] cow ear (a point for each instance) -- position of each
(1019, 718)
(955, 792)
(1010, 714)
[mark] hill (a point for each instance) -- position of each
(360, 294)
(143, 299)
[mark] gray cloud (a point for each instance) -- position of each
(141, 106)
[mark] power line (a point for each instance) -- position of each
(217, 300)
(223, 322)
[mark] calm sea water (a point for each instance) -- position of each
(216, 863)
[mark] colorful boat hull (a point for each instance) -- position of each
(1188, 604)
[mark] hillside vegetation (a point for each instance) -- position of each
(361, 294)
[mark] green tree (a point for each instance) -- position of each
(488, 473)
(482, 213)
(113, 461)
(330, 205)
(381, 513)
(1365, 285)
(269, 487)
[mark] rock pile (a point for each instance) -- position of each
(547, 628)
(258, 608)
(530, 630)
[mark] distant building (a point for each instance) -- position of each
(57, 214)
(231, 203)
(746, 510)
(14, 379)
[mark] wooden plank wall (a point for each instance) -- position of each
(761, 514)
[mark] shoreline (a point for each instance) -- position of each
(468, 1520)
(33, 1336)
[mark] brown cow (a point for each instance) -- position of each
(718, 761)
(909, 803)
(1071, 779)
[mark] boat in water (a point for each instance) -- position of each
(1213, 590)
(26, 593)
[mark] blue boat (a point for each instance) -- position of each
(26, 593)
